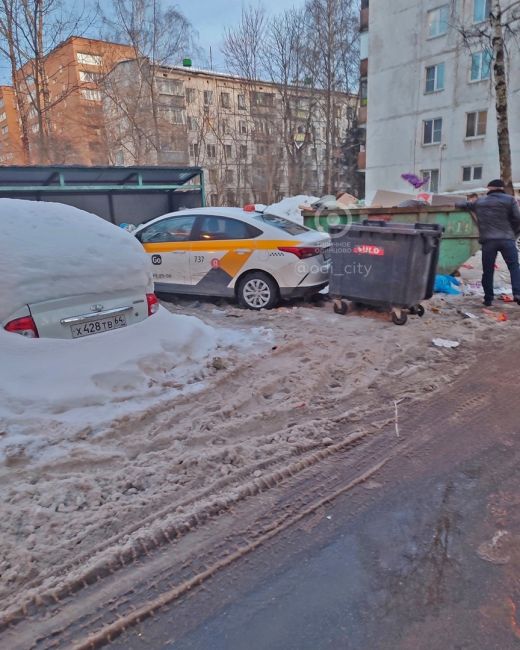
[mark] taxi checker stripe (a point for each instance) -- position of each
(219, 245)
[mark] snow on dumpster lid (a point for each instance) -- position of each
(52, 250)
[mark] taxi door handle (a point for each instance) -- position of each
(243, 251)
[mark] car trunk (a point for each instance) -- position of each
(79, 316)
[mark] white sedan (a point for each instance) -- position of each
(255, 257)
(69, 274)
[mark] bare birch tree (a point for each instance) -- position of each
(499, 32)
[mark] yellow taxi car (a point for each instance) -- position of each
(254, 257)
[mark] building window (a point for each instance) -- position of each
(208, 97)
(431, 176)
(91, 95)
(5, 130)
(89, 59)
(211, 150)
(194, 150)
(434, 78)
(2, 103)
(432, 131)
(260, 149)
(241, 102)
(472, 173)
(230, 176)
(481, 10)
(213, 199)
(120, 158)
(173, 115)
(243, 152)
(190, 95)
(228, 151)
(481, 65)
(476, 124)
(242, 127)
(225, 100)
(213, 176)
(35, 128)
(89, 77)
(169, 87)
(438, 21)
(3, 117)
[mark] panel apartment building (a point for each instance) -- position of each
(429, 97)
(254, 144)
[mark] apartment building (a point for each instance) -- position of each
(11, 150)
(254, 144)
(430, 98)
(62, 104)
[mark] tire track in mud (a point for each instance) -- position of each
(372, 400)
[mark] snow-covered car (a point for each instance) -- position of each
(66, 273)
(253, 256)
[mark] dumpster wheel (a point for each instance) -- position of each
(340, 306)
(399, 317)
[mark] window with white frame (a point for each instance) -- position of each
(3, 117)
(481, 65)
(243, 151)
(228, 151)
(89, 77)
(432, 131)
(481, 10)
(5, 130)
(35, 128)
(242, 127)
(241, 100)
(476, 124)
(194, 150)
(91, 95)
(208, 97)
(193, 123)
(472, 173)
(431, 176)
(173, 115)
(2, 103)
(434, 78)
(438, 21)
(190, 95)
(229, 176)
(89, 59)
(211, 150)
(225, 100)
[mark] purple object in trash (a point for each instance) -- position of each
(414, 180)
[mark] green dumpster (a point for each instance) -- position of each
(459, 241)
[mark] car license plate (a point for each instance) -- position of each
(97, 326)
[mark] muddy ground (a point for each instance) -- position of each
(318, 382)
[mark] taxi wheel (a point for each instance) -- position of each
(257, 291)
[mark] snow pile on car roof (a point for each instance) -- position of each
(290, 207)
(51, 250)
(55, 393)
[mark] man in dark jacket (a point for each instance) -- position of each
(498, 217)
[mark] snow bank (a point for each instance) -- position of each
(51, 250)
(53, 392)
(288, 207)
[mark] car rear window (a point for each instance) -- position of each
(287, 226)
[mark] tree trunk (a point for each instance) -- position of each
(501, 103)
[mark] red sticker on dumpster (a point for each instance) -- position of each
(365, 249)
(215, 263)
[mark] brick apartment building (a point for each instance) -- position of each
(11, 150)
(63, 107)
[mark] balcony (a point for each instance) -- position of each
(362, 161)
(363, 20)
